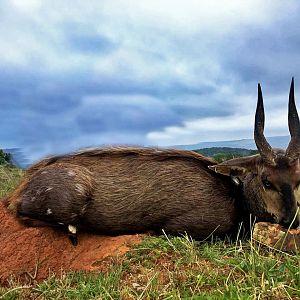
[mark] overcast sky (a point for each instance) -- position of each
(160, 72)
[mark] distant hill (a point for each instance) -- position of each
(221, 154)
(275, 141)
(216, 150)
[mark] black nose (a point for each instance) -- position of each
(287, 223)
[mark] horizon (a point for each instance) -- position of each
(248, 144)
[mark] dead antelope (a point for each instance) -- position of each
(129, 190)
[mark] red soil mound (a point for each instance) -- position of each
(28, 254)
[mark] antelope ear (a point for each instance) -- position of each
(237, 166)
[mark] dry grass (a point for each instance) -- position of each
(9, 178)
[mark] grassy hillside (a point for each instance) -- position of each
(221, 154)
(172, 268)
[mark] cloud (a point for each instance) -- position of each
(216, 129)
(136, 113)
(85, 39)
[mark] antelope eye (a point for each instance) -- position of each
(267, 184)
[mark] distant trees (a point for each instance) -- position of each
(5, 158)
(220, 157)
(221, 154)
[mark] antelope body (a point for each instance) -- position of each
(127, 190)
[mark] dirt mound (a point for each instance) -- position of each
(28, 254)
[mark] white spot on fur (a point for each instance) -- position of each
(49, 211)
(71, 173)
(32, 199)
(49, 189)
(60, 223)
(44, 172)
(72, 229)
(80, 189)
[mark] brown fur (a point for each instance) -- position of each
(128, 190)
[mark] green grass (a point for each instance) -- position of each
(9, 178)
(180, 268)
(175, 268)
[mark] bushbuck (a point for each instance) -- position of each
(116, 191)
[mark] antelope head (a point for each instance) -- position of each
(271, 178)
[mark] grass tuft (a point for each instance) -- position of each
(9, 178)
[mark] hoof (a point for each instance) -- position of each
(73, 235)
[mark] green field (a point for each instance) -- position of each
(173, 268)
